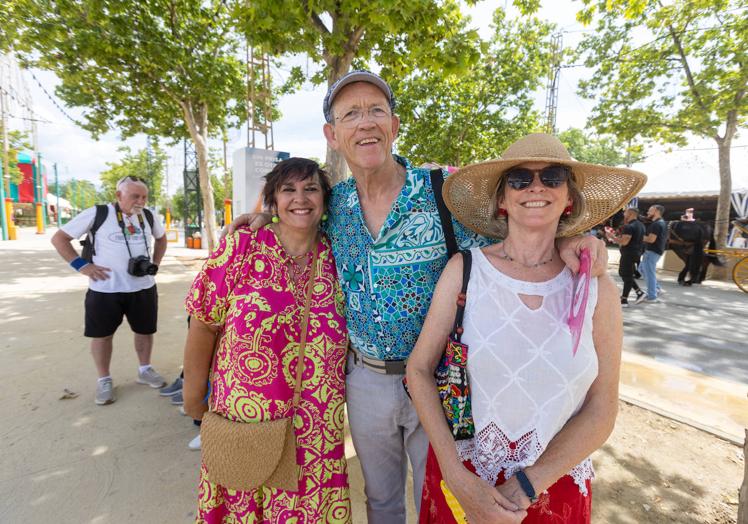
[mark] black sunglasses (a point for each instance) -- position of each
(133, 178)
(552, 176)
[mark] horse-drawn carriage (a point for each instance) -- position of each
(740, 269)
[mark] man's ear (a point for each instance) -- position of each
(329, 131)
(395, 126)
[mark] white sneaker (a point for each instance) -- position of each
(104, 393)
(149, 377)
(195, 443)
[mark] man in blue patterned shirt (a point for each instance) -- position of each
(389, 248)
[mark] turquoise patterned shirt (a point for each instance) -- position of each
(388, 281)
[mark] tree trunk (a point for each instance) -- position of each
(197, 123)
(722, 220)
(743, 496)
(334, 162)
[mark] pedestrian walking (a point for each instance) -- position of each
(630, 242)
(655, 242)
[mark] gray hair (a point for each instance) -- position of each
(129, 178)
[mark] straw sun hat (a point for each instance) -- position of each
(470, 191)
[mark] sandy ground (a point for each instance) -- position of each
(70, 461)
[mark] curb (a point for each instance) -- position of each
(681, 419)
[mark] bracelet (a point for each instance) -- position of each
(527, 486)
(77, 263)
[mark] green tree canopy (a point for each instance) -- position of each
(668, 71)
(169, 69)
(460, 118)
(149, 166)
(605, 150)
(397, 35)
(81, 194)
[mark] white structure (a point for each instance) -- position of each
(250, 166)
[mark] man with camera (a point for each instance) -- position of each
(120, 264)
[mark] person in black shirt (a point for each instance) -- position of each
(654, 246)
(630, 241)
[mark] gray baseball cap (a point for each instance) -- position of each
(349, 78)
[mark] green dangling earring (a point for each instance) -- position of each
(324, 217)
(275, 219)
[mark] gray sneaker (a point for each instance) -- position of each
(151, 378)
(104, 392)
(172, 389)
(177, 399)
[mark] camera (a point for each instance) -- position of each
(141, 266)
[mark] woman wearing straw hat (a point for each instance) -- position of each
(541, 403)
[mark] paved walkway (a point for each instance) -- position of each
(71, 461)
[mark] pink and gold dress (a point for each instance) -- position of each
(245, 289)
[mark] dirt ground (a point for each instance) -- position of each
(651, 470)
(69, 461)
(655, 470)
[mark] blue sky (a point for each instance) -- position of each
(299, 130)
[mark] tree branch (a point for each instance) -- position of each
(687, 68)
(351, 46)
(314, 18)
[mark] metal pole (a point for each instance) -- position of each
(2, 202)
(6, 146)
(57, 192)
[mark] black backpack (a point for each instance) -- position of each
(102, 210)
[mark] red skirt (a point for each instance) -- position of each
(563, 503)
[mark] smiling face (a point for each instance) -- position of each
(537, 205)
(300, 204)
(366, 143)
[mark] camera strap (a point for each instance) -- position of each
(121, 222)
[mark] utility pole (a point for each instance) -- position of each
(57, 192)
(3, 170)
(5, 182)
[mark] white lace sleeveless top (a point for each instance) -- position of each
(525, 383)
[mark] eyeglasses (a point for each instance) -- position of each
(352, 117)
(520, 178)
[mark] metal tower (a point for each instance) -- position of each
(259, 99)
(551, 89)
(193, 204)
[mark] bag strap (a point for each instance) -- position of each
(437, 181)
(148, 217)
(102, 210)
(304, 325)
(467, 264)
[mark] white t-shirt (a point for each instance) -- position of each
(111, 250)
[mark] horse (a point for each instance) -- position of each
(687, 239)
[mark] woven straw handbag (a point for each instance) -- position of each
(246, 455)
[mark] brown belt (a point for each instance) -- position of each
(384, 367)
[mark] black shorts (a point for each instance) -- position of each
(104, 312)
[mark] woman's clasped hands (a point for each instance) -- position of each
(481, 502)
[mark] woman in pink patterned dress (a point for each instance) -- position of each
(250, 296)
